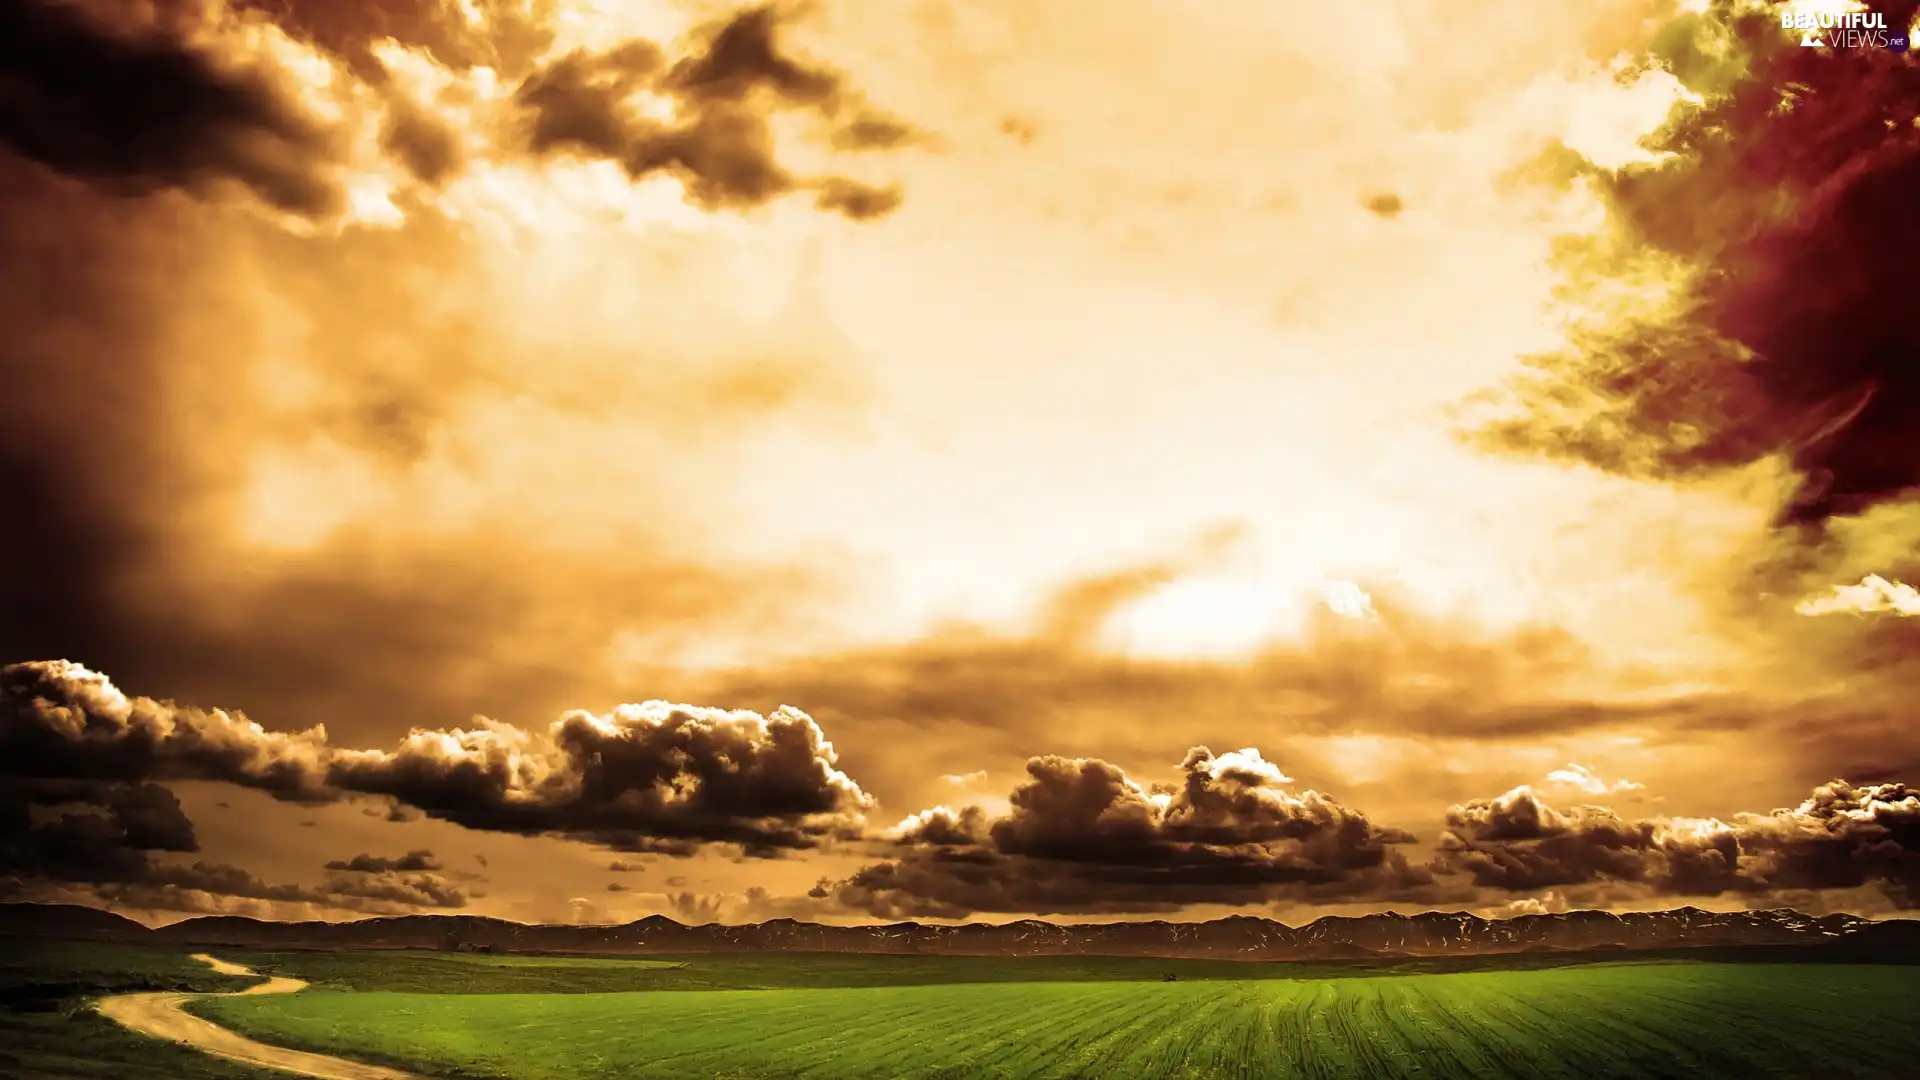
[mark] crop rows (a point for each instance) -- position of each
(1587, 1023)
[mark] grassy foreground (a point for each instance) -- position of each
(1582, 1022)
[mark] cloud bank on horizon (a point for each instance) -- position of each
(1079, 835)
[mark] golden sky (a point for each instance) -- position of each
(1479, 425)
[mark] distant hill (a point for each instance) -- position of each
(1239, 937)
(69, 922)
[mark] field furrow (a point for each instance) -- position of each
(1603, 1021)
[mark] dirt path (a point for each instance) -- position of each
(161, 1016)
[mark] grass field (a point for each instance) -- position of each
(508, 960)
(837, 1017)
(1087, 1018)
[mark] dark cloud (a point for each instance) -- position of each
(1081, 836)
(1518, 843)
(1784, 198)
(856, 200)
(626, 866)
(89, 831)
(418, 859)
(1842, 836)
(720, 146)
(743, 56)
(422, 142)
(109, 839)
(614, 886)
(648, 777)
(141, 108)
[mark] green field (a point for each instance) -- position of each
(464, 1016)
(509, 960)
(1110, 1019)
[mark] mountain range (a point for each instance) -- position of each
(1237, 937)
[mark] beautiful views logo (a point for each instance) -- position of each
(1844, 29)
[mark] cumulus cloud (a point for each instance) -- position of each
(1842, 836)
(60, 720)
(1772, 210)
(1517, 842)
(646, 777)
(1082, 836)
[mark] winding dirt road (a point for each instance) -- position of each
(161, 1016)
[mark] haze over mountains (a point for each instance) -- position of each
(1236, 937)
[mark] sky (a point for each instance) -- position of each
(572, 460)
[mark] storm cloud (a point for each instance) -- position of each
(1082, 836)
(1777, 206)
(1842, 836)
(646, 777)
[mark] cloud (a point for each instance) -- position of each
(1582, 778)
(1081, 836)
(647, 777)
(626, 866)
(295, 247)
(109, 841)
(89, 831)
(203, 96)
(412, 889)
(141, 107)
(1843, 836)
(1874, 595)
(1393, 670)
(721, 145)
(1385, 204)
(60, 720)
(420, 859)
(1517, 842)
(1764, 249)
